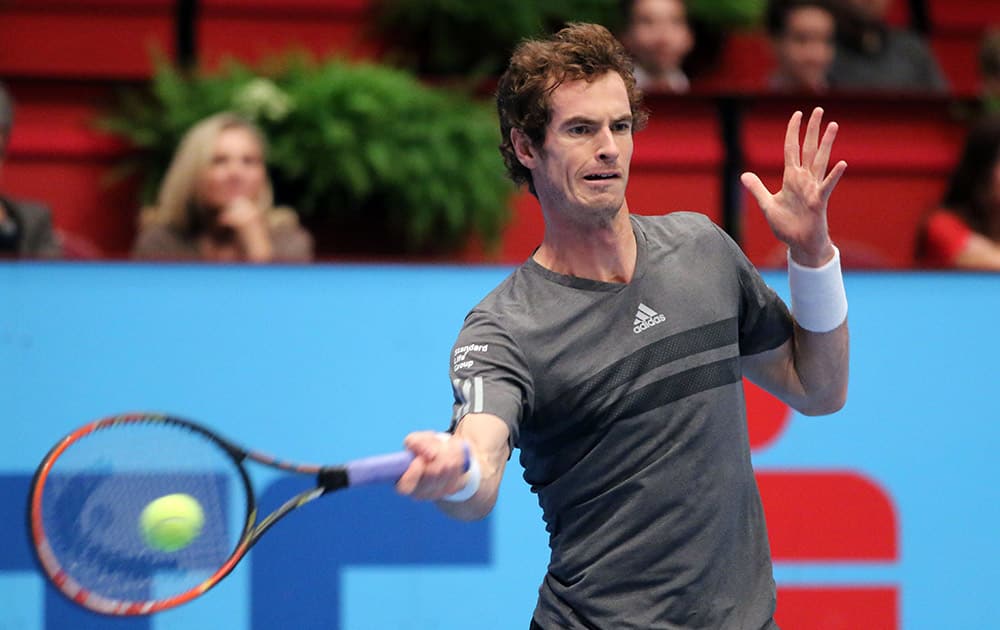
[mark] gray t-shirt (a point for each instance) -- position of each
(903, 62)
(627, 405)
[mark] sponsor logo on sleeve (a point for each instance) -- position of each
(461, 359)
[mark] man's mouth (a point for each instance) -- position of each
(597, 177)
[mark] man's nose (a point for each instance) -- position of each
(607, 148)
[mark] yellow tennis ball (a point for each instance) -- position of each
(171, 522)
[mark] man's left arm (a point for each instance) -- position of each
(810, 370)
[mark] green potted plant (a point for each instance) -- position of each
(471, 40)
(474, 39)
(374, 161)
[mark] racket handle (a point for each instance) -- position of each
(378, 469)
(386, 468)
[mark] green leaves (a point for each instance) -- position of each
(344, 138)
(727, 13)
(475, 38)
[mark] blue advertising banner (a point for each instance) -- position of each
(891, 503)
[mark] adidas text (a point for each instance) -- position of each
(649, 323)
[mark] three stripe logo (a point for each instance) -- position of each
(646, 318)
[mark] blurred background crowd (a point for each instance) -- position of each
(303, 130)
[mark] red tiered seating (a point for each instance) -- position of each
(77, 39)
(251, 30)
(62, 57)
(56, 156)
(957, 28)
(61, 60)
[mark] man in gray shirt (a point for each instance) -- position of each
(872, 55)
(25, 226)
(613, 359)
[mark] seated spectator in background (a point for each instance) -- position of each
(964, 232)
(802, 33)
(25, 226)
(658, 37)
(989, 69)
(215, 202)
(871, 55)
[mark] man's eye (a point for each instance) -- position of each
(578, 130)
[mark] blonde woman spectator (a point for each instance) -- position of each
(216, 202)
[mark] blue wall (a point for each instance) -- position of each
(329, 363)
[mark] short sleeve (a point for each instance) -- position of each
(764, 320)
(945, 236)
(489, 373)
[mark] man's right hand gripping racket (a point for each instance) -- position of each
(91, 492)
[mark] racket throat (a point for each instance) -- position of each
(332, 478)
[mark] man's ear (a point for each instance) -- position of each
(523, 148)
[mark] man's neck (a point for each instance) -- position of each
(606, 253)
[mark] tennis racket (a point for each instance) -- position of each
(89, 491)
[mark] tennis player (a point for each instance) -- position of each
(612, 358)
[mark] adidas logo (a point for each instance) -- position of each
(645, 318)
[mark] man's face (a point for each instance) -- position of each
(658, 35)
(581, 170)
(806, 49)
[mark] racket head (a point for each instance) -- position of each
(89, 491)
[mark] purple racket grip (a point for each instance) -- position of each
(378, 469)
(386, 468)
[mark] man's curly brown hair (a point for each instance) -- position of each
(538, 66)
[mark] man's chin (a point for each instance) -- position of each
(603, 214)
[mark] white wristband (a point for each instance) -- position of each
(819, 302)
(472, 476)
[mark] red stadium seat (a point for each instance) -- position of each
(963, 17)
(76, 39)
(57, 156)
(251, 30)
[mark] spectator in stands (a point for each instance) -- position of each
(215, 202)
(802, 33)
(871, 55)
(25, 226)
(658, 36)
(965, 231)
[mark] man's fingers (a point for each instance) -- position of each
(811, 143)
(756, 187)
(822, 159)
(437, 467)
(792, 152)
(408, 482)
(831, 180)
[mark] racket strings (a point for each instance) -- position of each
(96, 491)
